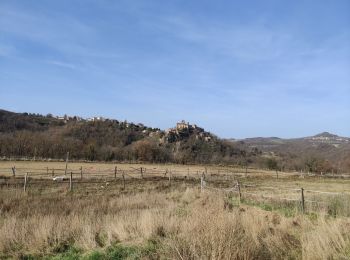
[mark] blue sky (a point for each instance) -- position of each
(237, 68)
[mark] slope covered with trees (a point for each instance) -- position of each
(24, 135)
(48, 137)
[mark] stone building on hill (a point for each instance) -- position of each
(184, 130)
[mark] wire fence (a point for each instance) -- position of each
(306, 200)
(284, 197)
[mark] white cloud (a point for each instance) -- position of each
(62, 64)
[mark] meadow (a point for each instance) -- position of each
(197, 213)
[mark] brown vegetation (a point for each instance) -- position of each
(45, 137)
(179, 221)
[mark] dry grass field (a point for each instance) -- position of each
(88, 167)
(154, 218)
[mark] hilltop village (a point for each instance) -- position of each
(184, 130)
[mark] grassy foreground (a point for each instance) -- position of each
(160, 222)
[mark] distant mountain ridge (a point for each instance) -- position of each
(333, 149)
(329, 138)
(324, 137)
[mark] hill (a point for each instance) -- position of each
(24, 135)
(34, 135)
(324, 151)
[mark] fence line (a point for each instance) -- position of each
(212, 171)
(327, 192)
(36, 176)
(269, 197)
(86, 172)
(242, 192)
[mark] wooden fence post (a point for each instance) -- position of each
(25, 182)
(141, 171)
(302, 201)
(71, 181)
(202, 183)
(81, 172)
(53, 172)
(65, 171)
(239, 192)
(115, 173)
(14, 171)
(170, 177)
(34, 154)
(123, 181)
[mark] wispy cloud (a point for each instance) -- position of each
(64, 34)
(62, 64)
(247, 43)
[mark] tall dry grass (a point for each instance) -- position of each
(185, 223)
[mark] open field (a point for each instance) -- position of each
(38, 166)
(189, 216)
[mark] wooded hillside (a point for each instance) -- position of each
(24, 135)
(33, 135)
